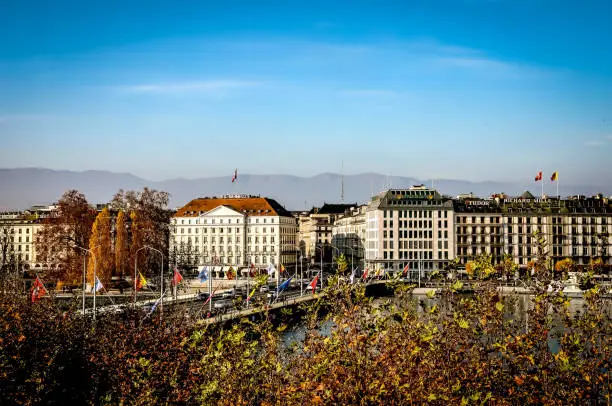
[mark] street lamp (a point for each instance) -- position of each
(161, 290)
(85, 278)
(321, 271)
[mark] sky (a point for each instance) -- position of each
(455, 89)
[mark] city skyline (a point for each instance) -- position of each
(473, 89)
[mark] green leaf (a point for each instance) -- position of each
(431, 293)
(499, 306)
(456, 286)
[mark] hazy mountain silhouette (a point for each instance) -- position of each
(24, 187)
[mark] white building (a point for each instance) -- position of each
(411, 227)
(233, 230)
(349, 234)
(18, 230)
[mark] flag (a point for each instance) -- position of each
(538, 177)
(155, 305)
(252, 271)
(177, 277)
(271, 270)
(282, 269)
(405, 270)
(203, 275)
(38, 290)
(235, 177)
(554, 176)
(313, 284)
(284, 285)
(98, 285)
(365, 274)
(141, 282)
(230, 273)
(353, 275)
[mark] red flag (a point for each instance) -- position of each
(365, 274)
(235, 175)
(252, 272)
(538, 176)
(177, 277)
(313, 284)
(406, 268)
(38, 290)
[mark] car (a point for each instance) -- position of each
(203, 296)
(228, 294)
(222, 305)
(264, 289)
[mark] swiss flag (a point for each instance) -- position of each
(38, 290)
(538, 177)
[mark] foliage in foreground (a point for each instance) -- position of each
(444, 349)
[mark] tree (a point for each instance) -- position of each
(342, 264)
(5, 247)
(67, 228)
(121, 245)
(150, 221)
(101, 245)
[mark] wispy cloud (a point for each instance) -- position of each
(211, 86)
(605, 140)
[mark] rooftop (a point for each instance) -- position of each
(247, 205)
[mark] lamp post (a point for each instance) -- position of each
(84, 276)
(321, 271)
(161, 284)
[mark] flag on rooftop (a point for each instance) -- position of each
(538, 176)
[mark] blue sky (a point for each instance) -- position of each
(463, 89)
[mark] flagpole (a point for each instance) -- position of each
(210, 291)
(557, 180)
(94, 290)
(542, 184)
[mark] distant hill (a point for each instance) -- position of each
(24, 187)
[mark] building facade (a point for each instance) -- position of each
(233, 230)
(316, 230)
(349, 234)
(411, 227)
(18, 231)
(577, 227)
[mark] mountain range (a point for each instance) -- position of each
(23, 187)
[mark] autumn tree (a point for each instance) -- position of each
(63, 232)
(100, 244)
(342, 264)
(150, 221)
(121, 245)
(5, 246)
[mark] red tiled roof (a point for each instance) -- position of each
(251, 206)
